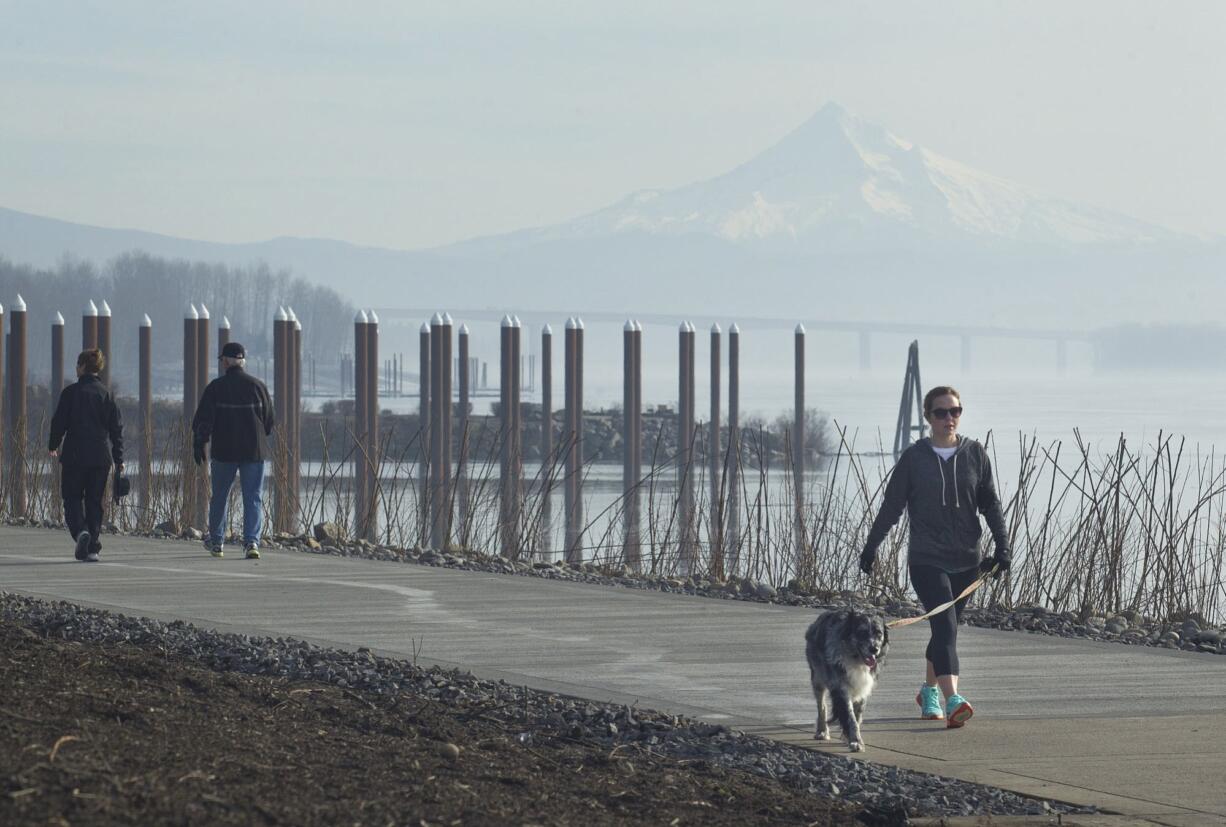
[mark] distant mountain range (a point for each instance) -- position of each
(839, 219)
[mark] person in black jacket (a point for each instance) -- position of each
(236, 414)
(944, 482)
(86, 419)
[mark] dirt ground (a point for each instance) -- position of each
(94, 734)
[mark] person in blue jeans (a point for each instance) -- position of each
(235, 414)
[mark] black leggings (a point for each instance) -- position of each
(934, 587)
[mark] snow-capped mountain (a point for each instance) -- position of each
(839, 172)
(839, 219)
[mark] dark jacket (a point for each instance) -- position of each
(85, 418)
(236, 414)
(943, 499)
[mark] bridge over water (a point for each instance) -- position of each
(863, 329)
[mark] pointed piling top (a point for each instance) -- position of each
(225, 323)
(204, 312)
(105, 310)
(447, 320)
(360, 318)
(515, 322)
(57, 320)
(800, 330)
(19, 306)
(628, 327)
(290, 316)
(506, 321)
(683, 327)
(579, 323)
(715, 329)
(280, 317)
(570, 323)
(546, 330)
(734, 330)
(297, 325)
(191, 312)
(1, 310)
(436, 320)
(146, 321)
(91, 309)
(464, 329)
(371, 317)
(425, 329)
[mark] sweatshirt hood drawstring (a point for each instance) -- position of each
(941, 468)
(957, 499)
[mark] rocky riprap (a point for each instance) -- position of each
(888, 794)
(1189, 631)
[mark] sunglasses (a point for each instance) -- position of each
(943, 413)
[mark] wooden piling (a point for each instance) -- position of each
(144, 490)
(57, 356)
(17, 425)
(188, 475)
(461, 474)
(732, 536)
(89, 326)
(372, 426)
(223, 339)
(715, 464)
(798, 450)
(359, 423)
(104, 344)
(280, 399)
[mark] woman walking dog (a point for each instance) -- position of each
(944, 482)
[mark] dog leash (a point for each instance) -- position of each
(907, 621)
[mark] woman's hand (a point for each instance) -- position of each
(998, 562)
(867, 558)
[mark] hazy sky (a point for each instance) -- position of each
(408, 124)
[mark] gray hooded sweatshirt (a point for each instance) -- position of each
(943, 499)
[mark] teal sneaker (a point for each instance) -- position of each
(929, 700)
(957, 711)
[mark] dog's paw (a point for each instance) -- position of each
(856, 746)
(821, 735)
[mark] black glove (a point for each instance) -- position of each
(1000, 561)
(198, 452)
(867, 558)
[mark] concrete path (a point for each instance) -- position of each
(1136, 731)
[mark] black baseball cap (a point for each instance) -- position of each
(233, 350)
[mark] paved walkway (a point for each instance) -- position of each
(1133, 730)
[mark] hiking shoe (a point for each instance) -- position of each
(83, 543)
(253, 551)
(92, 557)
(929, 700)
(213, 547)
(957, 711)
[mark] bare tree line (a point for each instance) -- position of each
(135, 284)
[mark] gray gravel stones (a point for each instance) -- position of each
(889, 794)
